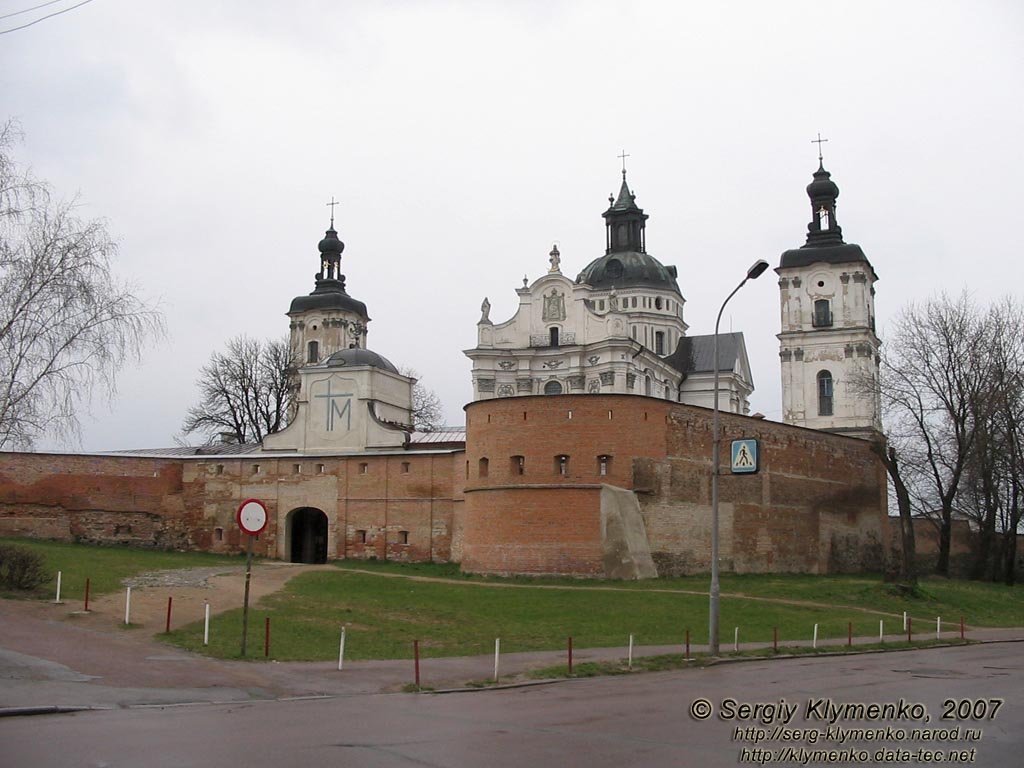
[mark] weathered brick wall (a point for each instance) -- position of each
(818, 504)
(73, 497)
(407, 503)
(542, 521)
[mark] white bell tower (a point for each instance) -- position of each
(828, 347)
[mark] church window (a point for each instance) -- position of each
(405, 467)
(552, 388)
(313, 352)
(604, 465)
(634, 333)
(659, 342)
(483, 467)
(824, 393)
(634, 302)
(657, 303)
(518, 465)
(600, 305)
(823, 219)
(403, 537)
(647, 386)
(553, 332)
(562, 465)
(822, 314)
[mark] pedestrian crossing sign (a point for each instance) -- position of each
(744, 456)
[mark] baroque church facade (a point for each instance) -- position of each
(586, 449)
(617, 328)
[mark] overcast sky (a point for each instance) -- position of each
(463, 138)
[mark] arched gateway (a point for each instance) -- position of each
(307, 535)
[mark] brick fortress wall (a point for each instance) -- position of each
(818, 505)
(403, 506)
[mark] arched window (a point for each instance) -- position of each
(552, 388)
(824, 393)
(659, 342)
(313, 352)
(822, 314)
(482, 472)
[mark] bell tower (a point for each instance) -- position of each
(827, 345)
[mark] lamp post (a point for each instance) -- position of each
(754, 272)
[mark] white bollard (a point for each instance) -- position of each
(206, 623)
(938, 627)
(128, 606)
(814, 642)
(881, 632)
(341, 650)
(497, 654)
(736, 639)
(904, 621)
(629, 661)
(57, 599)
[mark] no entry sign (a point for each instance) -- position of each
(252, 516)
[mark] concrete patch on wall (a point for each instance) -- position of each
(627, 553)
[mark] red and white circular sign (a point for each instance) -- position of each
(252, 516)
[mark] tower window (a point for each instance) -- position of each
(313, 352)
(405, 467)
(483, 467)
(822, 314)
(657, 303)
(562, 465)
(518, 465)
(659, 342)
(604, 465)
(553, 332)
(824, 393)
(823, 219)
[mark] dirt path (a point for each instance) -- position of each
(190, 589)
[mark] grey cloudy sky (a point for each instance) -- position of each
(463, 138)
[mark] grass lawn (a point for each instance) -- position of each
(105, 567)
(384, 615)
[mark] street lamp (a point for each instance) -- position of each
(754, 272)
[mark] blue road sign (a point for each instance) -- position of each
(744, 456)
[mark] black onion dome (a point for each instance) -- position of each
(331, 243)
(628, 269)
(352, 358)
(822, 186)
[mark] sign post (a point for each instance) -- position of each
(252, 519)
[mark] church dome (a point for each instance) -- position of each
(325, 298)
(331, 243)
(352, 358)
(822, 186)
(628, 269)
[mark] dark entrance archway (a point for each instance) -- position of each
(307, 535)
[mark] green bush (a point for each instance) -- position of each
(21, 568)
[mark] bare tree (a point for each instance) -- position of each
(427, 411)
(936, 373)
(246, 393)
(67, 325)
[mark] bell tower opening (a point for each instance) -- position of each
(307, 536)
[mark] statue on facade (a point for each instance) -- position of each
(556, 259)
(485, 311)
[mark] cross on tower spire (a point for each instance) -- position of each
(819, 141)
(623, 157)
(331, 206)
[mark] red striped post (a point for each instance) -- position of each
(416, 660)
(168, 627)
(87, 595)
(849, 634)
(570, 655)
(775, 639)
(687, 645)
(910, 622)
(961, 627)
(266, 638)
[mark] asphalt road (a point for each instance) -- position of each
(643, 719)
